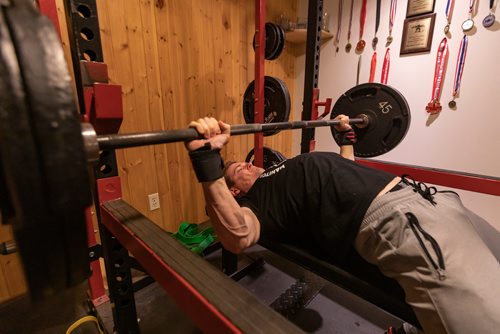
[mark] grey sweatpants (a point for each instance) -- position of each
(465, 298)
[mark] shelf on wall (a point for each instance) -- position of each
(298, 36)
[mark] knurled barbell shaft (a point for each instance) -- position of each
(108, 142)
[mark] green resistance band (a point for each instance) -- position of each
(194, 239)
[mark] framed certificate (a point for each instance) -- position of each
(419, 7)
(417, 34)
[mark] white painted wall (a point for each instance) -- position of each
(466, 139)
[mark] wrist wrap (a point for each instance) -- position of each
(345, 137)
(207, 163)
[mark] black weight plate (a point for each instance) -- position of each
(276, 39)
(275, 48)
(22, 180)
(388, 114)
(23, 185)
(53, 111)
(276, 102)
(271, 41)
(53, 245)
(271, 157)
(281, 42)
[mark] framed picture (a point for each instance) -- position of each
(417, 34)
(419, 7)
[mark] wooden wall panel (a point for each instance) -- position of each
(177, 61)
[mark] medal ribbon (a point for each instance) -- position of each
(373, 66)
(358, 71)
(449, 8)
(385, 67)
(459, 70)
(392, 15)
(339, 24)
(377, 18)
(471, 7)
(362, 19)
(441, 60)
(350, 22)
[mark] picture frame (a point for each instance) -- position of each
(417, 34)
(419, 7)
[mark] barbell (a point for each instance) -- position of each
(45, 149)
(117, 141)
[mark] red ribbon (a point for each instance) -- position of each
(385, 67)
(434, 106)
(373, 66)
(362, 20)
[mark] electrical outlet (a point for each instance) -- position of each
(154, 201)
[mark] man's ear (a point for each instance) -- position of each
(234, 191)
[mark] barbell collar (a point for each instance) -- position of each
(117, 141)
(365, 123)
(90, 143)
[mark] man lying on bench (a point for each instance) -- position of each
(422, 239)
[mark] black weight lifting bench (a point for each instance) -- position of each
(356, 276)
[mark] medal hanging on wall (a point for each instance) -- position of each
(362, 17)
(385, 67)
(339, 26)
(459, 70)
(373, 66)
(434, 107)
(468, 24)
(489, 20)
(348, 46)
(392, 15)
(377, 23)
(449, 9)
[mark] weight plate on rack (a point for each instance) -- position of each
(388, 114)
(271, 157)
(276, 102)
(281, 42)
(275, 37)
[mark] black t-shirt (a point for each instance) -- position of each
(317, 200)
